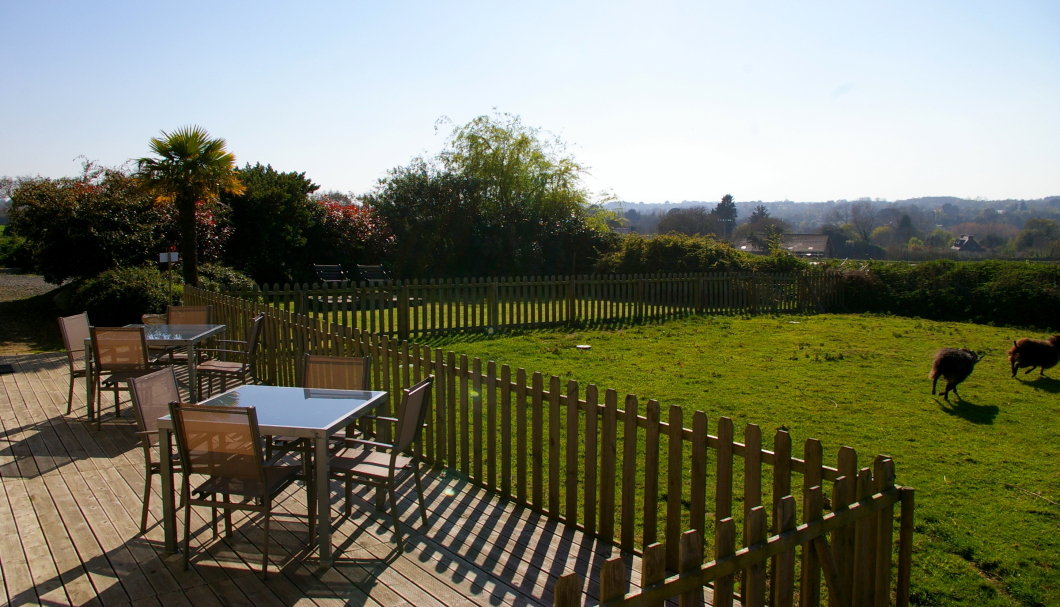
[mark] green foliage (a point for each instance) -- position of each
(120, 296)
(190, 168)
(1038, 234)
(213, 276)
(13, 251)
(678, 253)
(275, 225)
(501, 199)
(1001, 292)
(77, 227)
(981, 537)
(695, 221)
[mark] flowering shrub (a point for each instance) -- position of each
(352, 234)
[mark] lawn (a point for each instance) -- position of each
(985, 468)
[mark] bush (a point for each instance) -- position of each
(120, 296)
(1001, 292)
(14, 253)
(678, 253)
(214, 277)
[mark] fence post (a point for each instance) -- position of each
(494, 304)
(403, 311)
(571, 299)
(691, 555)
(567, 592)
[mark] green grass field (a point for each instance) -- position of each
(982, 535)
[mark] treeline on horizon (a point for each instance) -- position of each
(920, 228)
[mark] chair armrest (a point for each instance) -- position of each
(220, 350)
(381, 418)
(145, 433)
(370, 443)
(230, 341)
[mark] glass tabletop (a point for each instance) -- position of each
(307, 412)
(182, 333)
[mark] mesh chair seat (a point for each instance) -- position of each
(367, 463)
(276, 478)
(220, 366)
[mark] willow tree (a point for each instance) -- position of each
(190, 169)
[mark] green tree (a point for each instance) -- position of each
(1037, 234)
(501, 199)
(190, 168)
(759, 213)
(696, 221)
(276, 225)
(77, 227)
(726, 214)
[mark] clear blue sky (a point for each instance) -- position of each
(663, 100)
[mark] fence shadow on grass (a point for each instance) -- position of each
(977, 414)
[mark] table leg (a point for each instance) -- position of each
(193, 385)
(90, 381)
(320, 460)
(169, 510)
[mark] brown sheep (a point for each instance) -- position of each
(1026, 352)
(954, 366)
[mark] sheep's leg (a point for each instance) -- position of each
(1033, 367)
(934, 383)
(956, 392)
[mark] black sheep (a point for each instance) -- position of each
(954, 366)
(1027, 352)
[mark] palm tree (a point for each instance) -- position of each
(191, 167)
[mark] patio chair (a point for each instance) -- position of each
(120, 354)
(75, 331)
(242, 368)
(224, 445)
(379, 464)
(330, 274)
(182, 315)
(328, 373)
(151, 395)
(373, 275)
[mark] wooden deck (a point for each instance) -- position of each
(70, 501)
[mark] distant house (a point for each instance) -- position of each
(800, 245)
(967, 244)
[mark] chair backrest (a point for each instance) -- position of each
(75, 330)
(415, 402)
(151, 395)
(120, 348)
(254, 336)
(337, 372)
(220, 441)
(189, 315)
(328, 274)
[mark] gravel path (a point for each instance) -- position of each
(21, 286)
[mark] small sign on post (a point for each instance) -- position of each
(169, 258)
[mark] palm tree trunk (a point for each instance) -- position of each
(188, 246)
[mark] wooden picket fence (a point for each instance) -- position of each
(415, 308)
(632, 478)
